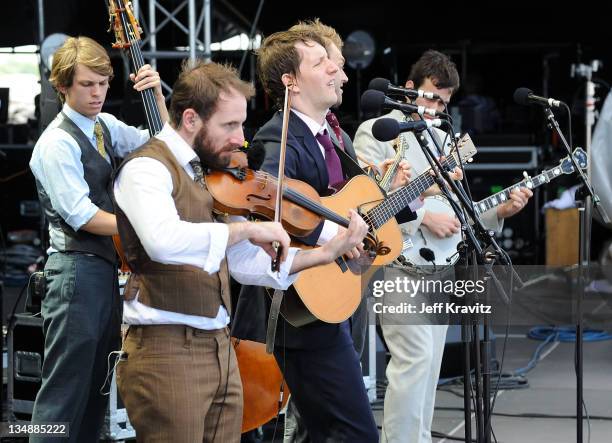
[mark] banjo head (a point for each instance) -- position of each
(444, 250)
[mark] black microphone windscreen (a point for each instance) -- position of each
(521, 96)
(427, 254)
(379, 84)
(385, 129)
(256, 154)
(372, 101)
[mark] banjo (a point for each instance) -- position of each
(425, 253)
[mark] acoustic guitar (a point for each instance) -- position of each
(332, 292)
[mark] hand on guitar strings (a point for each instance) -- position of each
(518, 200)
(348, 242)
(402, 175)
(440, 224)
(455, 174)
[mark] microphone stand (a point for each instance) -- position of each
(466, 331)
(585, 198)
(473, 248)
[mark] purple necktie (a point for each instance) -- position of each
(332, 161)
(335, 125)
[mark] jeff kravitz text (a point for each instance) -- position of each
(396, 296)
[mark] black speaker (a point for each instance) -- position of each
(25, 357)
(495, 169)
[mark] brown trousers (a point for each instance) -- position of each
(176, 385)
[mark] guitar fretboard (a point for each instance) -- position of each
(503, 196)
(399, 199)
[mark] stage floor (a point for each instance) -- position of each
(552, 391)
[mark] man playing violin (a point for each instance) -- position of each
(178, 376)
(72, 162)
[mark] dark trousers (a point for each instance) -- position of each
(81, 315)
(327, 388)
(295, 431)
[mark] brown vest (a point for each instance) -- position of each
(178, 288)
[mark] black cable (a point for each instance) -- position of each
(251, 35)
(5, 253)
(530, 414)
(493, 434)
(465, 180)
(437, 434)
(569, 124)
(282, 382)
(586, 412)
(501, 366)
(23, 291)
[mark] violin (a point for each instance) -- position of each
(238, 190)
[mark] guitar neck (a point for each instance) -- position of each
(503, 196)
(151, 110)
(399, 199)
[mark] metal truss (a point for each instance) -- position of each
(197, 29)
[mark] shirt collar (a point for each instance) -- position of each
(313, 125)
(85, 124)
(177, 145)
(399, 115)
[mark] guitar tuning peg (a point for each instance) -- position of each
(470, 160)
(525, 174)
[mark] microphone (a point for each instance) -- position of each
(386, 129)
(256, 153)
(374, 101)
(525, 96)
(383, 85)
(427, 254)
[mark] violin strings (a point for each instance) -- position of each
(372, 217)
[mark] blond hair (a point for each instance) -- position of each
(78, 50)
(329, 34)
(198, 87)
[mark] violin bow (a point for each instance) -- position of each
(281, 175)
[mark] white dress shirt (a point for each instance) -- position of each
(56, 164)
(143, 190)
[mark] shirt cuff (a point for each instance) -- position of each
(329, 231)
(411, 227)
(282, 280)
(415, 204)
(82, 217)
(218, 237)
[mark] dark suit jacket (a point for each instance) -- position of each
(303, 161)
